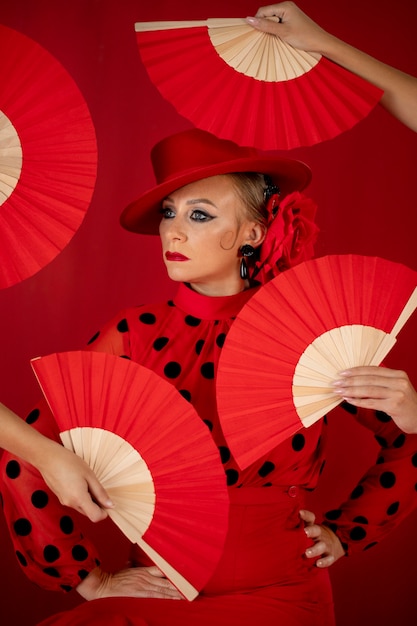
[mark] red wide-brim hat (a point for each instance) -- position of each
(192, 155)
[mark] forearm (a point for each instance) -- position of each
(22, 440)
(400, 89)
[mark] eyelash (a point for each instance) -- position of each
(205, 217)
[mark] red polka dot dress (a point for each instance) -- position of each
(262, 577)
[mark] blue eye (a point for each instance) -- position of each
(200, 216)
(167, 213)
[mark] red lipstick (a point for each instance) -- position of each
(175, 256)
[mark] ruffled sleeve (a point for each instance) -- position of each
(47, 539)
(386, 494)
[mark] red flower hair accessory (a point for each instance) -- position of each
(291, 235)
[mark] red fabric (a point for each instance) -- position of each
(182, 342)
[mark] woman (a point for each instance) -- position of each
(297, 29)
(212, 200)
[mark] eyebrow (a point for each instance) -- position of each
(195, 201)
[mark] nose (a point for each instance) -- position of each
(173, 229)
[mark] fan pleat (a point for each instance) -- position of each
(153, 453)
(295, 334)
(44, 208)
(321, 102)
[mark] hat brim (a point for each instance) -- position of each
(143, 217)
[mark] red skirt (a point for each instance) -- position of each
(263, 577)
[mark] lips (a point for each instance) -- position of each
(175, 256)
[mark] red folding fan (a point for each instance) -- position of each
(48, 157)
(295, 334)
(152, 453)
(251, 87)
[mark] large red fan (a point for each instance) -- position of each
(48, 157)
(251, 87)
(152, 453)
(292, 338)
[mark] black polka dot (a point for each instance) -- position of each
(66, 588)
(266, 469)
(66, 524)
(160, 343)
(380, 460)
(232, 476)
(21, 558)
(298, 442)
(185, 394)
(33, 416)
(360, 519)
(93, 338)
(79, 553)
(387, 480)
(51, 554)
(83, 573)
(393, 508)
(382, 417)
(371, 545)
(414, 460)
(209, 425)
(39, 499)
(22, 527)
(192, 321)
(172, 369)
(334, 514)
(382, 441)
(349, 408)
(207, 370)
(147, 318)
(220, 339)
(122, 326)
(51, 571)
(224, 454)
(171, 303)
(199, 346)
(357, 492)
(332, 527)
(399, 441)
(357, 534)
(13, 469)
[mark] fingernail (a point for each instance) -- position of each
(252, 20)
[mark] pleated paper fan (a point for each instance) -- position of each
(152, 453)
(294, 336)
(48, 157)
(251, 87)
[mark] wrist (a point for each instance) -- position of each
(91, 587)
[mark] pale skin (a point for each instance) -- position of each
(298, 30)
(206, 223)
(66, 474)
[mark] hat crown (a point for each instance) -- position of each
(193, 150)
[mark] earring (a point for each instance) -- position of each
(246, 250)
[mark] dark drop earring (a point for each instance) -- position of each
(246, 250)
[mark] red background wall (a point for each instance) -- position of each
(364, 182)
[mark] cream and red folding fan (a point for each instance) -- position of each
(251, 87)
(48, 157)
(152, 453)
(294, 336)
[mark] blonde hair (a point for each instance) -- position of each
(250, 187)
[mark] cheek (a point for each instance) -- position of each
(228, 240)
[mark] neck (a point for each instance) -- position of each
(218, 290)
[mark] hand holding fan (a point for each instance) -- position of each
(296, 333)
(249, 86)
(151, 451)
